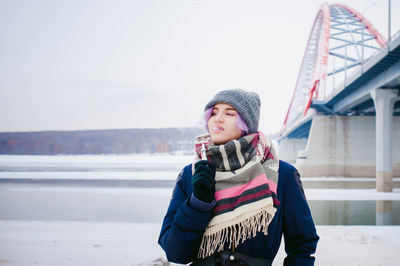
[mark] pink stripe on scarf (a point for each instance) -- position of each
(238, 190)
(240, 200)
(272, 185)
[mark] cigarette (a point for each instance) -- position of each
(203, 152)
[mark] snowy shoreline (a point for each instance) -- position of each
(104, 243)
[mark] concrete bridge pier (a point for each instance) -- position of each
(288, 148)
(384, 104)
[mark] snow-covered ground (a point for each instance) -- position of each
(91, 175)
(89, 167)
(135, 158)
(126, 244)
(88, 162)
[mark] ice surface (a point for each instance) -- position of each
(110, 159)
(89, 167)
(351, 194)
(311, 193)
(88, 175)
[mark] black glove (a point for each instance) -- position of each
(203, 181)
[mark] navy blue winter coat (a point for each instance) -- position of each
(183, 225)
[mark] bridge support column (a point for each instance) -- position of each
(384, 104)
(288, 148)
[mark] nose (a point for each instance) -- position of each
(219, 117)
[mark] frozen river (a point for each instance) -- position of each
(107, 210)
(107, 188)
(22, 202)
(137, 188)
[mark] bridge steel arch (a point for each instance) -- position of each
(340, 40)
(346, 99)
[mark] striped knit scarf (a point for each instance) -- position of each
(245, 190)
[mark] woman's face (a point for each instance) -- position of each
(222, 124)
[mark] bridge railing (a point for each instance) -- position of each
(354, 73)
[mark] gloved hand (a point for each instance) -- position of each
(203, 181)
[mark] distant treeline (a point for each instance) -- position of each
(118, 141)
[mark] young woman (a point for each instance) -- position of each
(232, 204)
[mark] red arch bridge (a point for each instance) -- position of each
(344, 116)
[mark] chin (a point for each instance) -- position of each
(223, 137)
(218, 140)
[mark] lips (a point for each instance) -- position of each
(218, 128)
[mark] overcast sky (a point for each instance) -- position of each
(67, 65)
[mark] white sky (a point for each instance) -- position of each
(67, 65)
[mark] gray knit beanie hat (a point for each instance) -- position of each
(247, 103)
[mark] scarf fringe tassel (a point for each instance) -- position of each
(235, 233)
